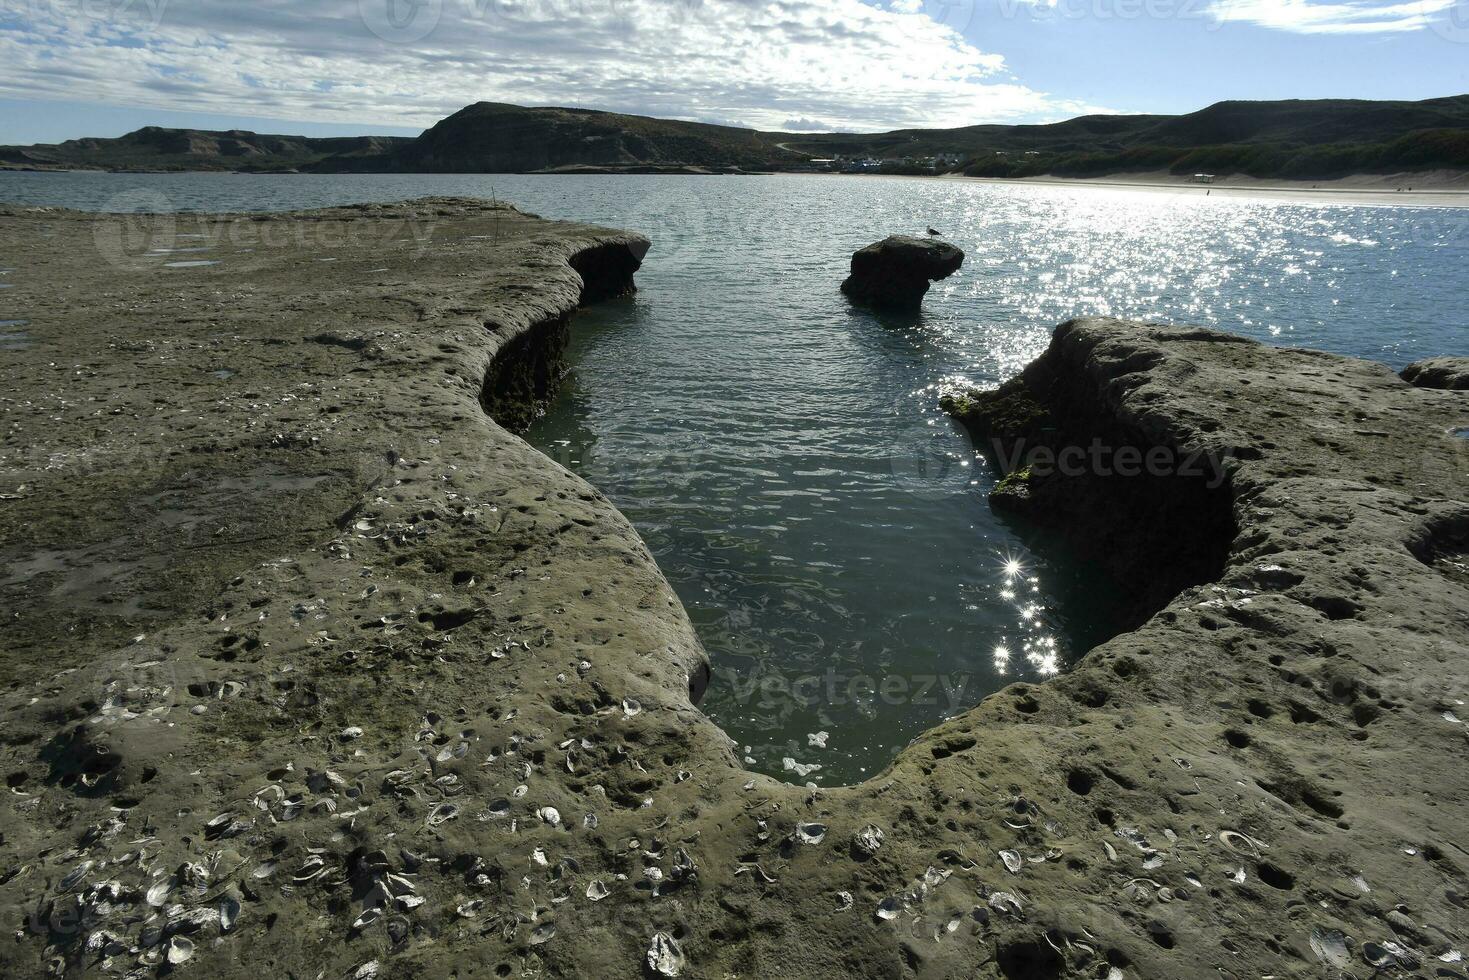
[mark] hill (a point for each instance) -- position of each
(157, 148)
(494, 137)
(1292, 139)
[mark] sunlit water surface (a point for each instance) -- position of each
(781, 452)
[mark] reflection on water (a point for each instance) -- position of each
(781, 452)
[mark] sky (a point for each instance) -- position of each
(71, 68)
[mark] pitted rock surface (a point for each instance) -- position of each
(312, 669)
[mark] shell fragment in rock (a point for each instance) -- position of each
(1014, 863)
(598, 890)
(442, 814)
(664, 958)
(1240, 843)
(810, 833)
(311, 869)
(229, 910)
(1005, 903)
(1330, 947)
(180, 950)
(868, 840)
(158, 892)
(1389, 954)
(550, 815)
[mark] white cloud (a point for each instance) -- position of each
(764, 62)
(1345, 17)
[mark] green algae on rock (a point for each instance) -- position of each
(312, 668)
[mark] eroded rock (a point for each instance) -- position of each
(896, 272)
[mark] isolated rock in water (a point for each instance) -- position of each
(896, 271)
(1449, 373)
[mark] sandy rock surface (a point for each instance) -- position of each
(311, 668)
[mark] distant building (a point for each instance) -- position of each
(1203, 178)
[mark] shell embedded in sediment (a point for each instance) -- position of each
(598, 890)
(542, 933)
(888, 908)
(810, 833)
(1005, 903)
(1240, 843)
(158, 892)
(868, 839)
(313, 868)
(844, 901)
(1013, 861)
(1388, 954)
(664, 957)
(442, 814)
(1330, 947)
(180, 950)
(229, 911)
(75, 876)
(550, 815)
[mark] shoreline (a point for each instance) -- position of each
(317, 666)
(1357, 190)
(1428, 190)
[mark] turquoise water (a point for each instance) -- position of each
(781, 452)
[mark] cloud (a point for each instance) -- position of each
(1345, 17)
(805, 126)
(410, 62)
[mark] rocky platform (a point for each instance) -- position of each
(311, 668)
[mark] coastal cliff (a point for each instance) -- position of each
(1287, 139)
(313, 668)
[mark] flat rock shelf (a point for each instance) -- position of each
(312, 668)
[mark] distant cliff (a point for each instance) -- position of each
(156, 148)
(1292, 139)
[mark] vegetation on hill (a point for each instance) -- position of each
(1292, 139)
(157, 148)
